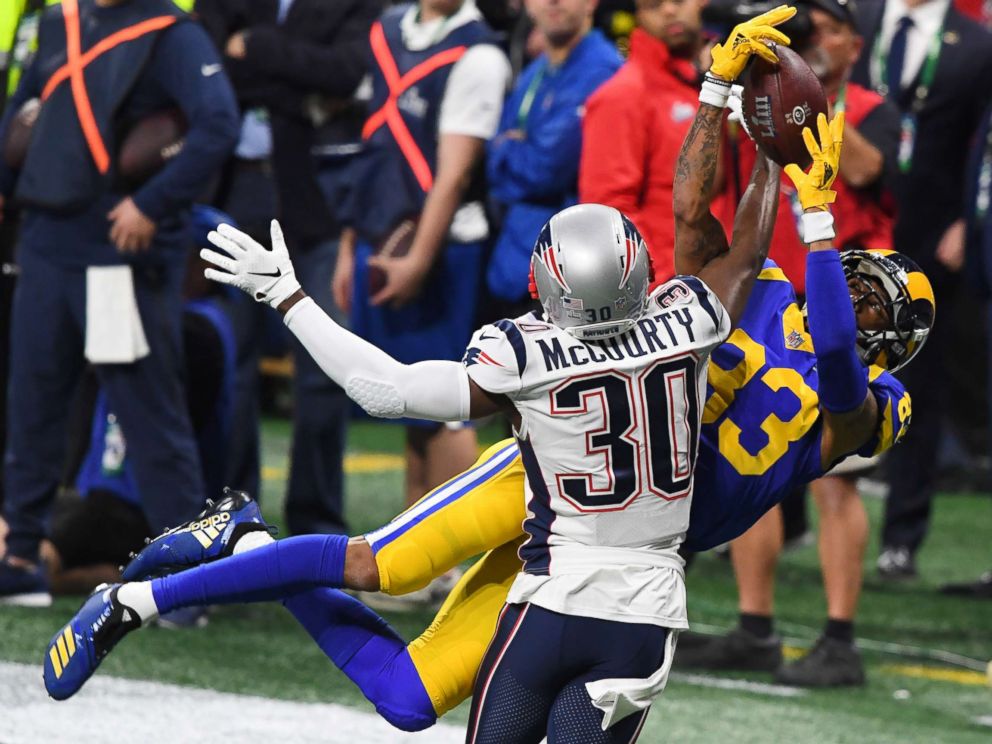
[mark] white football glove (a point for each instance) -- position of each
(267, 275)
(735, 104)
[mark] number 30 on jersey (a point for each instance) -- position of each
(648, 439)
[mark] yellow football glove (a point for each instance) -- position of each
(814, 186)
(749, 38)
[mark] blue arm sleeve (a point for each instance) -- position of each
(843, 379)
(183, 64)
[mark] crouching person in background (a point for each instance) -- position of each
(102, 265)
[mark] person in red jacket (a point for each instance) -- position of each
(863, 220)
(864, 211)
(635, 124)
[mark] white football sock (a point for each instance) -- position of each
(138, 596)
(252, 540)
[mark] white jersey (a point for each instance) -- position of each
(608, 436)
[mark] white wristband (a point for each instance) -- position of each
(714, 92)
(817, 226)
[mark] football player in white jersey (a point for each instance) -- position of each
(604, 390)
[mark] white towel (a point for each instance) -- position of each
(618, 698)
(114, 334)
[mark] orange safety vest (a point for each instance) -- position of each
(389, 112)
(76, 63)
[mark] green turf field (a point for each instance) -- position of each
(909, 698)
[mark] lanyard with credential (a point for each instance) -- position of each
(907, 134)
(527, 102)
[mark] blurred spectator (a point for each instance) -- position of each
(18, 39)
(635, 124)
(100, 269)
(862, 221)
(977, 10)
(978, 206)
(99, 522)
(293, 64)
(437, 92)
(935, 65)
(533, 161)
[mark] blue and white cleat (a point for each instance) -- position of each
(210, 536)
(76, 651)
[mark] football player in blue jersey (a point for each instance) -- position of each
(803, 424)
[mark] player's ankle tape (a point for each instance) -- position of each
(715, 91)
(817, 226)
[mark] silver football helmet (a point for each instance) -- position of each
(590, 270)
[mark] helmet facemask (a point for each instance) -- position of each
(884, 276)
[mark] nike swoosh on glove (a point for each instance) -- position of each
(266, 274)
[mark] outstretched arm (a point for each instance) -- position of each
(700, 243)
(731, 274)
(850, 411)
(384, 387)
(699, 236)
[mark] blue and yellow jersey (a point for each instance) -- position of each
(761, 424)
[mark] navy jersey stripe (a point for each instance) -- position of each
(535, 553)
(697, 286)
(516, 341)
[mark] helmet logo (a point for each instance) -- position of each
(551, 261)
(629, 258)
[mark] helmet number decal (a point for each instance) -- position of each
(599, 316)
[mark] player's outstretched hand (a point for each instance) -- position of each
(267, 275)
(750, 37)
(814, 186)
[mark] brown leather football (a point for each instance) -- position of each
(779, 100)
(395, 245)
(15, 146)
(149, 144)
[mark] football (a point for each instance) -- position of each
(779, 100)
(149, 144)
(395, 245)
(15, 147)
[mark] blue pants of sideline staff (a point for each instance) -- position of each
(314, 502)
(148, 396)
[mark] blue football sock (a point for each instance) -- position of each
(272, 572)
(364, 646)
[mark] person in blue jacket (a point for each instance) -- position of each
(101, 266)
(533, 161)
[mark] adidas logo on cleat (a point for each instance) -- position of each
(207, 530)
(62, 651)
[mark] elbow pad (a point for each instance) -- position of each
(377, 398)
(435, 391)
(843, 378)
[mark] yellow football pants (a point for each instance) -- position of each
(480, 510)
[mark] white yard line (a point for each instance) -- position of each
(740, 685)
(111, 710)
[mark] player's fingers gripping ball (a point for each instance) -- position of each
(749, 38)
(813, 187)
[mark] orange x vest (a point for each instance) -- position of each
(90, 59)
(396, 169)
